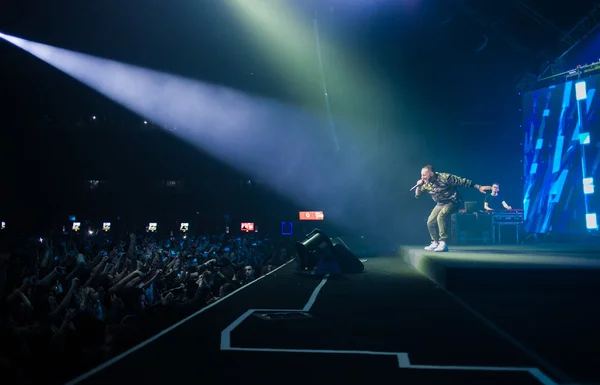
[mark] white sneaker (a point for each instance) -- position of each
(441, 247)
(432, 247)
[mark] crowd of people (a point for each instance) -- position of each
(72, 302)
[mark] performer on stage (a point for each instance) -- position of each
(443, 190)
(495, 201)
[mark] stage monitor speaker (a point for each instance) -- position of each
(349, 263)
(318, 248)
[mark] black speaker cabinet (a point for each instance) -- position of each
(469, 229)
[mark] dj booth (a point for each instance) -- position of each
(470, 226)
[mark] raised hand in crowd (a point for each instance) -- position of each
(167, 299)
(64, 304)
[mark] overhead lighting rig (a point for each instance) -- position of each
(576, 35)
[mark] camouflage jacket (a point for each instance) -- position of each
(443, 187)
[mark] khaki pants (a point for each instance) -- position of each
(438, 221)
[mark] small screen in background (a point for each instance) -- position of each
(247, 226)
(106, 226)
(3, 225)
(287, 228)
(311, 216)
(184, 227)
(76, 226)
(152, 227)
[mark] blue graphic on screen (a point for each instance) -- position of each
(287, 228)
(561, 157)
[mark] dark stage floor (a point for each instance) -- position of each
(389, 323)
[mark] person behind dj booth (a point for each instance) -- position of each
(495, 201)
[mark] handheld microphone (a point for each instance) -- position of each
(415, 186)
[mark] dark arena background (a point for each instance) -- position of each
(224, 191)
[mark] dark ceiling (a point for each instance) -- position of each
(459, 43)
(531, 28)
(526, 27)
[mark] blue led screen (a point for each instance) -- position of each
(561, 157)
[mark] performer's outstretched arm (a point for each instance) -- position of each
(462, 182)
(457, 181)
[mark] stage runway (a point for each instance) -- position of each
(389, 323)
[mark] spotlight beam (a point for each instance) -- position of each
(286, 147)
